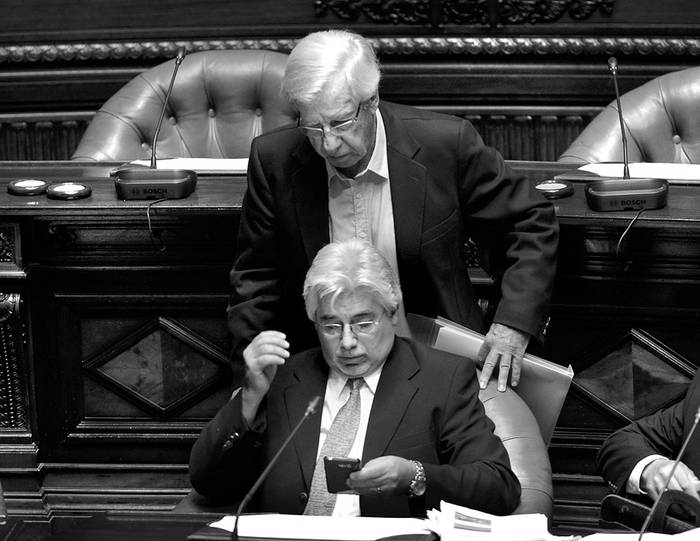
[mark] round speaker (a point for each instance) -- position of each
(68, 190)
(27, 186)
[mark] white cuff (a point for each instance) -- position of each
(635, 477)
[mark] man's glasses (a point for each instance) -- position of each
(335, 127)
(359, 328)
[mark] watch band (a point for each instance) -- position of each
(417, 486)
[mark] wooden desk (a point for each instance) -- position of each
(113, 338)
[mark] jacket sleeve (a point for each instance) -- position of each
(474, 469)
(657, 434)
(519, 227)
(255, 290)
(225, 459)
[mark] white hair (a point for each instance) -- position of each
(322, 61)
(350, 266)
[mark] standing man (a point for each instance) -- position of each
(410, 413)
(415, 184)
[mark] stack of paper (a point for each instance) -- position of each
(205, 166)
(457, 523)
(280, 526)
(671, 171)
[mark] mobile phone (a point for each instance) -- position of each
(337, 472)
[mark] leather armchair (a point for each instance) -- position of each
(517, 428)
(662, 124)
(220, 101)
(520, 433)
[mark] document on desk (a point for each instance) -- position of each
(669, 171)
(543, 385)
(280, 526)
(458, 523)
(205, 166)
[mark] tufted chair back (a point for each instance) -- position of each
(519, 431)
(662, 119)
(220, 101)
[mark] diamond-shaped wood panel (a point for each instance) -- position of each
(160, 368)
(635, 376)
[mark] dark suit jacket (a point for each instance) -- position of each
(662, 433)
(426, 408)
(446, 185)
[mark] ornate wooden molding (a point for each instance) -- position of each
(399, 46)
(444, 12)
(13, 409)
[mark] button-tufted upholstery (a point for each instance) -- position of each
(220, 101)
(517, 428)
(662, 119)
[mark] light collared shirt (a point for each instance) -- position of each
(360, 207)
(337, 394)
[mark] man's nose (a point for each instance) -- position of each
(348, 340)
(330, 142)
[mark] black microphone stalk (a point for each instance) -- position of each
(612, 65)
(670, 475)
(178, 60)
(310, 410)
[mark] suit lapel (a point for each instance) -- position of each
(394, 393)
(310, 188)
(408, 186)
(311, 377)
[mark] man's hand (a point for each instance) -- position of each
(503, 347)
(655, 474)
(383, 475)
(264, 354)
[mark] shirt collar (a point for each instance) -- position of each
(337, 380)
(378, 163)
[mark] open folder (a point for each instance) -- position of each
(543, 385)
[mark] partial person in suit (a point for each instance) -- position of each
(414, 183)
(417, 422)
(638, 458)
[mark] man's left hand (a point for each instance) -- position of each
(383, 475)
(503, 347)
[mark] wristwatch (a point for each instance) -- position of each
(417, 486)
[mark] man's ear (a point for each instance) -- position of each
(395, 317)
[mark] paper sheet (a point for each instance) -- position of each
(201, 165)
(679, 171)
(312, 527)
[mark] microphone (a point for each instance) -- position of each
(152, 183)
(670, 475)
(310, 410)
(628, 193)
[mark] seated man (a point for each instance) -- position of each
(638, 458)
(412, 414)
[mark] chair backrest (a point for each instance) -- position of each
(662, 119)
(517, 428)
(220, 101)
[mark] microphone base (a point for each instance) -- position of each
(144, 183)
(627, 194)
